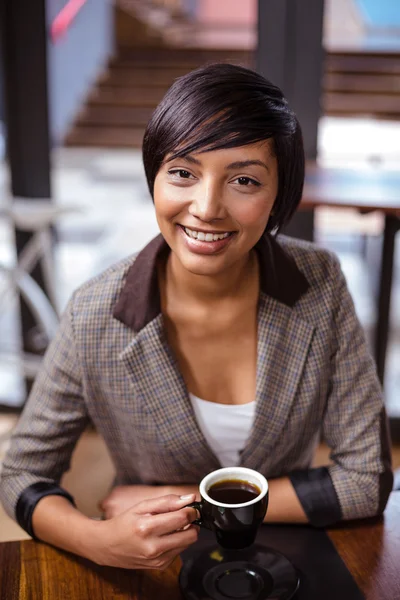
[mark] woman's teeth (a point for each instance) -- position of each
(205, 237)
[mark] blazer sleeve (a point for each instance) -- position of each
(359, 481)
(53, 418)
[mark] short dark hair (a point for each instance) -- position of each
(224, 106)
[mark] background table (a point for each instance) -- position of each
(365, 190)
(34, 571)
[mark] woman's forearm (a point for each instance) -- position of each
(284, 505)
(56, 521)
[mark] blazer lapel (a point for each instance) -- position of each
(160, 393)
(283, 344)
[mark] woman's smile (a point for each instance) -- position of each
(205, 242)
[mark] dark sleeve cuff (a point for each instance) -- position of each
(317, 496)
(30, 497)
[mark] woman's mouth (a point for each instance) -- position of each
(205, 242)
(206, 237)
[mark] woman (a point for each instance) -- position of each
(219, 344)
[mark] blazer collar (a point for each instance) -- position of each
(139, 301)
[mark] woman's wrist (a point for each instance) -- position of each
(284, 505)
(92, 542)
(56, 521)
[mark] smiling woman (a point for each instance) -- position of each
(221, 343)
(226, 106)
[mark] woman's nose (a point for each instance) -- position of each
(207, 203)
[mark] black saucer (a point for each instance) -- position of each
(256, 573)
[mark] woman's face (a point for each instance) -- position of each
(213, 207)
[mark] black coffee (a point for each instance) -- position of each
(233, 491)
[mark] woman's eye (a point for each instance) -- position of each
(247, 181)
(180, 173)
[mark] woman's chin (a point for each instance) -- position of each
(202, 265)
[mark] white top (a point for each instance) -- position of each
(226, 427)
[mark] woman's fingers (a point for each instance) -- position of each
(178, 541)
(153, 549)
(163, 504)
(163, 524)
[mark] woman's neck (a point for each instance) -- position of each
(239, 280)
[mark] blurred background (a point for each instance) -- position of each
(79, 79)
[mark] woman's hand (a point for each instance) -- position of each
(123, 497)
(149, 535)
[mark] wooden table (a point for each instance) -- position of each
(365, 190)
(34, 571)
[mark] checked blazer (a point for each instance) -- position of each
(110, 364)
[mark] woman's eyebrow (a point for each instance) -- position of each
(246, 163)
(240, 164)
(189, 158)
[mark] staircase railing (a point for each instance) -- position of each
(65, 18)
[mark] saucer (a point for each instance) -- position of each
(256, 573)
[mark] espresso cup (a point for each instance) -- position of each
(235, 523)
